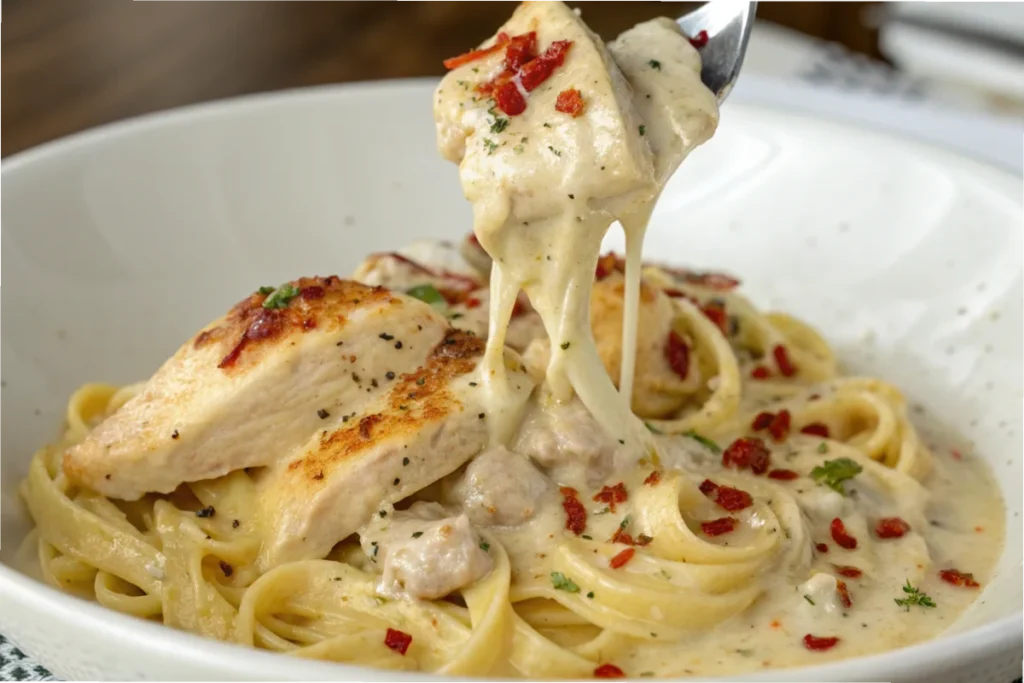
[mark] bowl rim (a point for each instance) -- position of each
(37, 596)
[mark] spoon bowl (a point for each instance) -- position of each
(720, 30)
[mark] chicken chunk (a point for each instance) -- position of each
(428, 424)
(499, 487)
(256, 384)
(424, 553)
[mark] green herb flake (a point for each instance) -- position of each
(554, 151)
(490, 145)
(379, 600)
(264, 290)
(280, 297)
(485, 546)
(808, 599)
(914, 597)
(427, 294)
(590, 595)
(625, 522)
(561, 582)
(587, 537)
(703, 440)
(565, 346)
(643, 129)
(417, 534)
(500, 124)
(823, 447)
(743, 652)
(832, 473)
(655, 64)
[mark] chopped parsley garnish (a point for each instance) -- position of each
(561, 582)
(547, 125)
(280, 297)
(702, 440)
(427, 294)
(554, 151)
(832, 473)
(490, 145)
(823, 447)
(499, 124)
(808, 598)
(590, 595)
(266, 290)
(655, 64)
(625, 522)
(485, 546)
(587, 537)
(914, 597)
(643, 129)
(565, 345)
(417, 534)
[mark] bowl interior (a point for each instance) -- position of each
(119, 244)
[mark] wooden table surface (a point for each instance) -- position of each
(68, 65)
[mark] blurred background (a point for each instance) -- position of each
(68, 65)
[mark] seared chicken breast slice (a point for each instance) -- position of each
(430, 422)
(257, 384)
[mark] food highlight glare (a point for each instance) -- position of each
(517, 456)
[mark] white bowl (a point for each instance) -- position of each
(119, 243)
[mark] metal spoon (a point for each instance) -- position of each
(720, 30)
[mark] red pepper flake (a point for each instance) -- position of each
(821, 547)
(717, 527)
(677, 353)
(509, 99)
(474, 55)
(760, 372)
(958, 578)
(570, 102)
(891, 527)
(779, 428)
(473, 302)
(762, 421)
(815, 429)
(610, 495)
(815, 643)
(715, 312)
(608, 264)
(699, 40)
(844, 594)
(848, 571)
(538, 70)
(726, 497)
(841, 537)
(653, 479)
(786, 367)
(622, 558)
(747, 453)
(608, 671)
(397, 641)
(783, 475)
(575, 513)
(957, 455)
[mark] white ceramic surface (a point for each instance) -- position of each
(120, 243)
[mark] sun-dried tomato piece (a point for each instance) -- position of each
(840, 535)
(509, 99)
(762, 421)
(608, 264)
(575, 513)
(610, 495)
(717, 527)
(891, 527)
(816, 643)
(653, 479)
(958, 578)
(726, 497)
(473, 55)
(608, 671)
(398, 641)
(848, 571)
(786, 366)
(783, 475)
(520, 50)
(779, 428)
(715, 312)
(699, 40)
(538, 70)
(677, 353)
(747, 453)
(815, 429)
(622, 558)
(570, 102)
(821, 547)
(844, 594)
(760, 372)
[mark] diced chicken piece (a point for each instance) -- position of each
(424, 553)
(500, 487)
(431, 422)
(565, 439)
(256, 384)
(658, 390)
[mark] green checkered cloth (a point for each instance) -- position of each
(15, 665)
